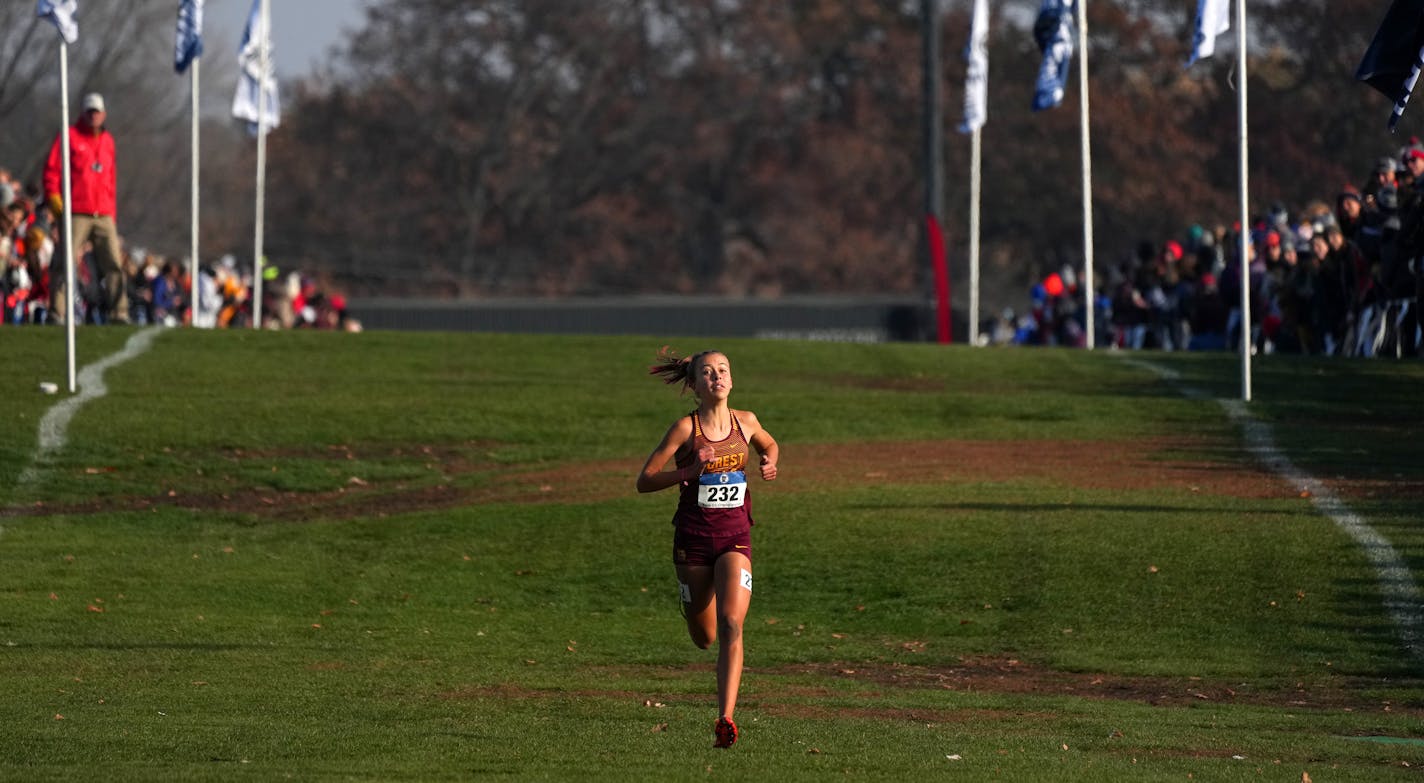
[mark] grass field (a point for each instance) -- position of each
(420, 557)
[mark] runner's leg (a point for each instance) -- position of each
(734, 596)
(697, 587)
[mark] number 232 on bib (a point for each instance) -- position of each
(722, 490)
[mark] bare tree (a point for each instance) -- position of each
(719, 146)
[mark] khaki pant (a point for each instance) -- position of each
(99, 231)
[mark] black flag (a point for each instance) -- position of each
(1393, 61)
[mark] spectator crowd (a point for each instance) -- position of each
(1339, 279)
(159, 290)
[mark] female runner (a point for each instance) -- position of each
(712, 546)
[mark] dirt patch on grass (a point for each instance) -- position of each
(1197, 465)
(796, 690)
(1012, 676)
(1178, 463)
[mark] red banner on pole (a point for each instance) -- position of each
(941, 275)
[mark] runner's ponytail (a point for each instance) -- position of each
(672, 368)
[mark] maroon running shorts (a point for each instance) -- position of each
(703, 550)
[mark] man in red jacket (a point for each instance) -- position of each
(94, 189)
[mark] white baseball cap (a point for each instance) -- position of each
(94, 101)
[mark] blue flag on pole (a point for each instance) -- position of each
(1396, 55)
(976, 79)
(1054, 32)
(188, 42)
(1213, 19)
(61, 15)
(252, 78)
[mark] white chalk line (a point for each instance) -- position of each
(54, 425)
(1396, 582)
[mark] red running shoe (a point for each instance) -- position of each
(726, 732)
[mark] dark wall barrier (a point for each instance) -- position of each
(842, 319)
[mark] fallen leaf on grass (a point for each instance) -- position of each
(57, 716)
(659, 728)
(94, 608)
(356, 481)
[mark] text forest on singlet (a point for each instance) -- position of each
(727, 462)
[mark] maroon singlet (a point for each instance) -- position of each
(731, 456)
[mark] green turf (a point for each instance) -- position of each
(199, 585)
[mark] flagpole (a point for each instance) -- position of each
(1245, 232)
(1089, 299)
(976, 109)
(193, 200)
(68, 214)
(262, 65)
(975, 162)
(934, 165)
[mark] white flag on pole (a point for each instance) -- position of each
(976, 80)
(61, 15)
(1213, 19)
(251, 78)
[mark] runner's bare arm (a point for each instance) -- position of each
(653, 478)
(765, 445)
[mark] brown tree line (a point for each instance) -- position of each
(554, 147)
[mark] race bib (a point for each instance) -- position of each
(722, 490)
